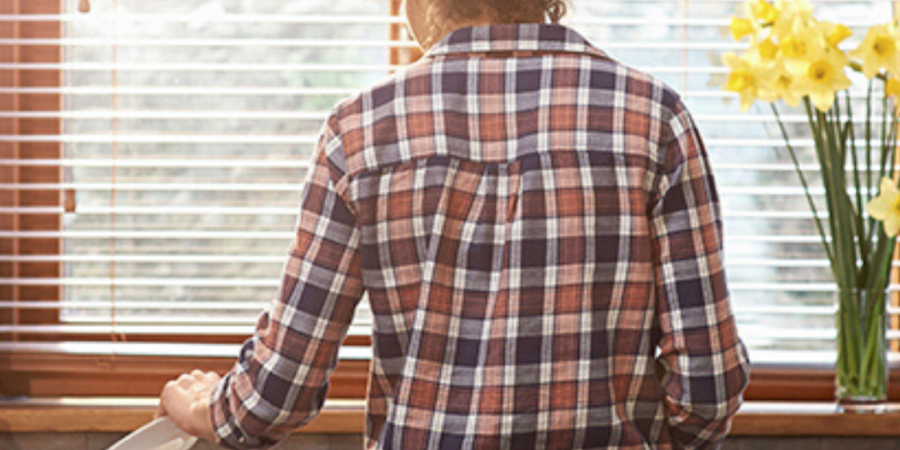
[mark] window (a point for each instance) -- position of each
(185, 134)
(153, 154)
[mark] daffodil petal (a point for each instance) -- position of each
(892, 87)
(767, 12)
(823, 100)
(839, 34)
(888, 187)
(892, 225)
(870, 68)
(880, 207)
(746, 101)
(731, 59)
(792, 99)
(740, 28)
(768, 49)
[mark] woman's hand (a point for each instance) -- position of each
(186, 401)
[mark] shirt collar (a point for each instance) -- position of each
(514, 37)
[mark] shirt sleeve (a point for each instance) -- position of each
(281, 377)
(704, 364)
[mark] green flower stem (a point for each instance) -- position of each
(874, 364)
(839, 200)
(848, 141)
(854, 363)
(873, 225)
(869, 131)
(882, 260)
(861, 365)
(825, 166)
(884, 134)
(889, 145)
(848, 336)
(809, 199)
(892, 141)
(870, 225)
(833, 122)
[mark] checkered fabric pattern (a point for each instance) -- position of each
(539, 233)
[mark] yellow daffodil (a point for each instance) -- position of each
(892, 87)
(803, 41)
(781, 83)
(802, 7)
(792, 13)
(835, 33)
(879, 50)
(886, 207)
(794, 47)
(741, 28)
(763, 11)
(767, 50)
(746, 79)
(823, 76)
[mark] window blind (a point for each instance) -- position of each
(187, 127)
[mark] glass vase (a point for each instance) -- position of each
(861, 373)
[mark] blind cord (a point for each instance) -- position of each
(16, 219)
(115, 337)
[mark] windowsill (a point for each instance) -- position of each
(797, 419)
(126, 415)
(347, 417)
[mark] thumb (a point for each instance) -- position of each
(160, 410)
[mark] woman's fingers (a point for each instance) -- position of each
(179, 396)
(160, 411)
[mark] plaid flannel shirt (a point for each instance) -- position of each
(539, 233)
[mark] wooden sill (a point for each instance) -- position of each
(338, 417)
(758, 419)
(796, 419)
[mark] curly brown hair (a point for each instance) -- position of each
(498, 11)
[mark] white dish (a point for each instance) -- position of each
(161, 434)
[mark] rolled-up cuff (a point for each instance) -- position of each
(229, 432)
